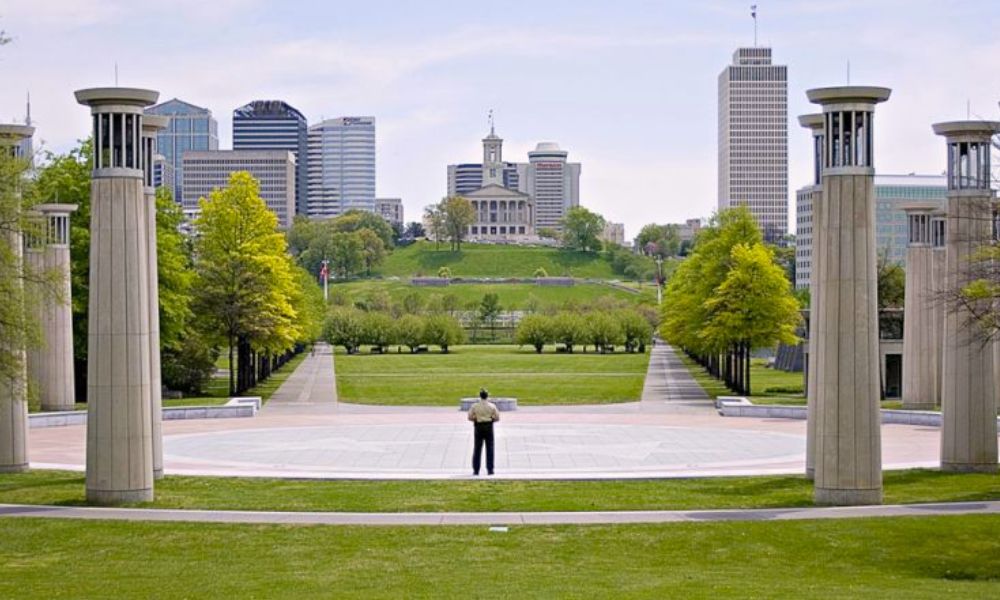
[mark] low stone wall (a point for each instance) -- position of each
(733, 407)
(179, 413)
(503, 404)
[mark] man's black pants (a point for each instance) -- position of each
(484, 434)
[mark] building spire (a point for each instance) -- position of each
(27, 114)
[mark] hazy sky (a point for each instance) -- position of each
(628, 87)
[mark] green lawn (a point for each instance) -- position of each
(513, 296)
(247, 493)
(506, 371)
(485, 260)
(911, 558)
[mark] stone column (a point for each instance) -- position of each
(968, 406)
(151, 124)
(919, 337)
(938, 244)
(815, 123)
(50, 366)
(848, 452)
(119, 419)
(14, 390)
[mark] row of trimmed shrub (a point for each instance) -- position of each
(602, 330)
(353, 328)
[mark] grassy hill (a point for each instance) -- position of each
(483, 260)
(512, 296)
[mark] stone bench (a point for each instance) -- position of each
(503, 404)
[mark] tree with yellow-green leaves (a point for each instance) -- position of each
(246, 288)
(729, 297)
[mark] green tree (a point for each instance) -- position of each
(458, 217)
(659, 240)
(569, 329)
(343, 327)
(603, 331)
(410, 331)
(378, 330)
(413, 303)
(244, 283)
(753, 307)
(891, 281)
(540, 273)
(534, 330)
(547, 233)
(434, 216)
(356, 221)
(489, 311)
(444, 273)
(582, 229)
(346, 254)
(372, 249)
(636, 330)
(443, 331)
(414, 230)
(174, 271)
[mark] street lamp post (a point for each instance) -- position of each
(325, 274)
(659, 280)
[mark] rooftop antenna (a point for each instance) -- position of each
(848, 71)
(116, 73)
(753, 14)
(27, 114)
(491, 122)
(968, 109)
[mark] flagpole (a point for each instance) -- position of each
(753, 13)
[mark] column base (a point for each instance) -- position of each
(969, 467)
(23, 468)
(841, 497)
(112, 497)
(811, 473)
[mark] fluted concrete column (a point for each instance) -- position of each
(848, 459)
(938, 241)
(919, 337)
(151, 124)
(968, 405)
(14, 389)
(815, 123)
(50, 366)
(119, 419)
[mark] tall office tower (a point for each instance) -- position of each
(191, 128)
(341, 169)
(753, 139)
(275, 125)
(553, 184)
(274, 170)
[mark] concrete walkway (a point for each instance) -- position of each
(311, 389)
(508, 518)
(669, 382)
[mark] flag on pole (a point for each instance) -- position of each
(324, 272)
(753, 11)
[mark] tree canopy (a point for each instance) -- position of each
(582, 229)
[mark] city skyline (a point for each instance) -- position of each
(649, 142)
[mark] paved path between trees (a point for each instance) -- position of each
(497, 518)
(669, 381)
(311, 389)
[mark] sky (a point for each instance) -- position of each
(629, 88)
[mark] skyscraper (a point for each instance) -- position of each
(753, 139)
(275, 125)
(191, 128)
(553, 183)
(341, 169)
(274, 170)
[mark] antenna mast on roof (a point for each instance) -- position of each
(491, 122)
(753, 14)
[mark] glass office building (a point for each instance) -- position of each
(275, 125)
(191, 128)
(341, 167)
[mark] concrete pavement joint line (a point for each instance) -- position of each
(499, 518)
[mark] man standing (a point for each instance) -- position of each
(483, 414)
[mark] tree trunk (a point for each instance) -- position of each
(232, 372)
(746, 348)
